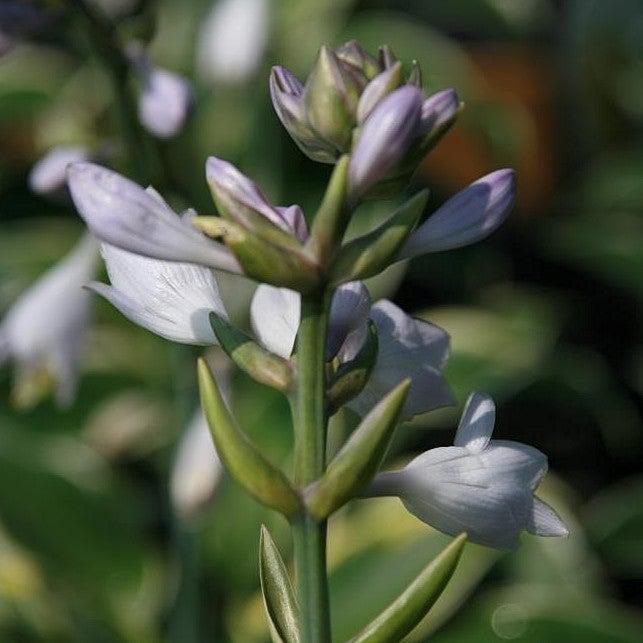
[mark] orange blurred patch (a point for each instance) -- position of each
(518, 82)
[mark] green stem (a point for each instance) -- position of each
(309, 536)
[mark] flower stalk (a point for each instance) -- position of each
(310, 425)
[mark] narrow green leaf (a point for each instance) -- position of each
(368, 255)
(245, 463)
(359, 459)
(351, 377)
(262, 365)
(279, 600)
(410, 607)
(331, 218)
(263, 260)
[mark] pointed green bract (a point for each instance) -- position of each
(278, 594)
(331, 97)
(359, 459)
(331, 218)
(262, 365)
(351, 377)
(263, 260)
(243, 461)
(367, 256)
(408, 609)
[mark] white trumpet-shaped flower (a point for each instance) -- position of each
(123, 214)
(479, 486)
(197, 469)
(407, 347)
(169, 298)
(43, 331)
(232, 40)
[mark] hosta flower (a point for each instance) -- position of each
(43, 331)
(123, 214)
(469, 216)
(233, 39)
(353, 102)
(197, 470)
(168, 298)
(165, 98)
(479, 486)
(407, 347)
(49, 175)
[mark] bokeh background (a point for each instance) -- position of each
(544, 315)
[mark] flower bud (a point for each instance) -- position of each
(331, 96)
(240, 200)
(351, 52)
(49, 175)
(287, 98)
(166, 98)
(385, 138)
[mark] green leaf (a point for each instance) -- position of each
(262, 365)
(245, 463)
(369, 255)
(331, 218)
(360, 458)
(406, 611)
(351, 377)
(280, 604)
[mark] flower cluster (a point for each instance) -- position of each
(358, 112)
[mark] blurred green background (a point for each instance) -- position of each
(544, 315)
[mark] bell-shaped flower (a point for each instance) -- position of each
(479, 486)
(165, 102)
(232, 40)
(48, 176)
(44, 330)
(469, 216)
(275, 316)
(165, 99)
(197, 469)
(407, 347)
(121, 213)
(168, 298)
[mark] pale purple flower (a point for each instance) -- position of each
(479, 486)
(121, 213)
(469, 216)
(165, 102)
(240, 197)
(49, 175)
(385, 139)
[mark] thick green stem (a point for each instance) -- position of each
(309, 536)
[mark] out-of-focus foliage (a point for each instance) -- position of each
(545, 316)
